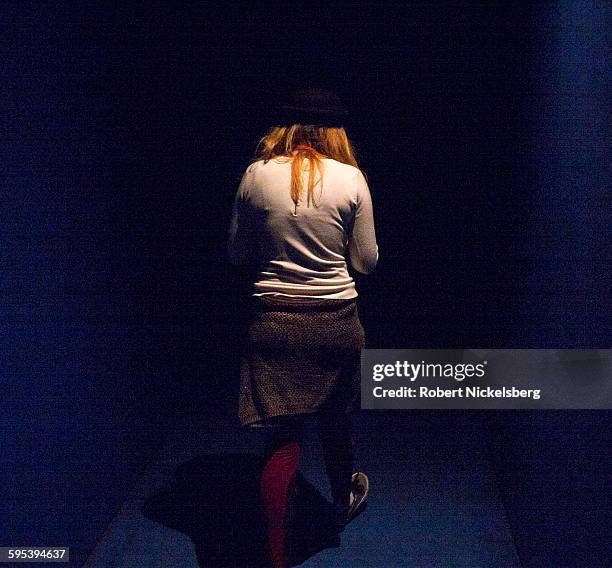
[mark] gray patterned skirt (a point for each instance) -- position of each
(300, 357)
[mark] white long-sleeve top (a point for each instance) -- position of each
(302, 251)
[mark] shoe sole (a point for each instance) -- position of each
(360, 507)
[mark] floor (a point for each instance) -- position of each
(433, 500)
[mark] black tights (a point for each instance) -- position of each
(282, 454)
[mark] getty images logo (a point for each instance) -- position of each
(414, 371)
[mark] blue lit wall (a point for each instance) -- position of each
(554, 467)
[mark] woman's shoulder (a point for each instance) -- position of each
(253, 166)
(266, 163)
(342, 170)
(347, 168)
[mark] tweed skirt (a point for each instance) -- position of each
(301, 357)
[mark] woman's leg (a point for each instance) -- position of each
(282, 456)
(338, 444)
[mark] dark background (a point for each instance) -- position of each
(483, 129)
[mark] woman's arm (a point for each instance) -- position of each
(362, 245)
(241, 242)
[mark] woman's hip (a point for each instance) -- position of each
(328, 328)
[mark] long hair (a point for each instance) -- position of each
(326, 142)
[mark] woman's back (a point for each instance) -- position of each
(301, 250)
(300, 210)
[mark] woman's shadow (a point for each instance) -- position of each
(214, 499)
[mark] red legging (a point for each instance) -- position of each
(282, 456)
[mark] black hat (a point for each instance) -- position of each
(314, 105)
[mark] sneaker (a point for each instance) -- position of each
(359, 495)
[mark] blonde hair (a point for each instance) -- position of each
(324, 142)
